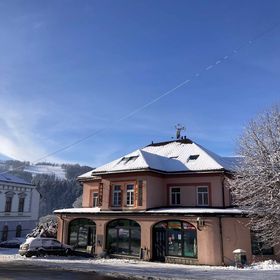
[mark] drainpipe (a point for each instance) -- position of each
(223, 191)
(221, 240)
(62, 229)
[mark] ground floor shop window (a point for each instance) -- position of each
(82, 234)
(174, 238)
(124, 237)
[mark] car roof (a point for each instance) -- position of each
(30, 239)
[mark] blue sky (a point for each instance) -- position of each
(71, 68)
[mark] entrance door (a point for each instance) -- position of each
(159, 250)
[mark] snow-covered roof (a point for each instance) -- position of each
(197, 211)
(78, 210)
(225, 211)
(8, 178)
(169, 157)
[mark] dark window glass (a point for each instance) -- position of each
(175, 196)
(123, 237)
(117, 195)
(180, 237)
(5, 233)
(202, 196)
(192, 157)
(135, 240)
(82, 234)
(112, 240)
(162, 225)
(8, 205)
(174, 242)
(130, 195)
(95, 199)
(189, 243)
(21, 204)
(18, 231)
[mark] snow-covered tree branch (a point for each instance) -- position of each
(256, 184)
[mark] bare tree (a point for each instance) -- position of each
(256, 184)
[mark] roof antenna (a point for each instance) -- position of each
(179, 128)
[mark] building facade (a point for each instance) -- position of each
(19, 207)
(166, 202)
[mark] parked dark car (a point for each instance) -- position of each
(44, 246)
(13, 243)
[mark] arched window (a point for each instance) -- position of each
(18, 231)
(124, 237)
(174, 238)
(5, 233)
(82, 234)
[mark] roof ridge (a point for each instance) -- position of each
(183, 141)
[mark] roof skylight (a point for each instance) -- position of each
(192, 158)
(126, 160)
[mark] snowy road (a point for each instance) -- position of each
(147, 270)
(17, 271)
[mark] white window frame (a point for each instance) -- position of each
(116, 194)
(130, 195)
(95, 199)
(177, 198)
(204, 195)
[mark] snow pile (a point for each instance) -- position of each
(136, 269)
(266, 265)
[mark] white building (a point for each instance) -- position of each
(19, 207)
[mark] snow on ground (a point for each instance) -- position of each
(147, 270)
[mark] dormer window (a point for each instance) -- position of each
(126, 160)
(192, 158)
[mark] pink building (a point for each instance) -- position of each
(166, 202)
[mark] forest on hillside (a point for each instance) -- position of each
(56, 193)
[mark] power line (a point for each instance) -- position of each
(170, 91)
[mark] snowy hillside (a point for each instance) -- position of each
(4, 157)
(56, 170)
